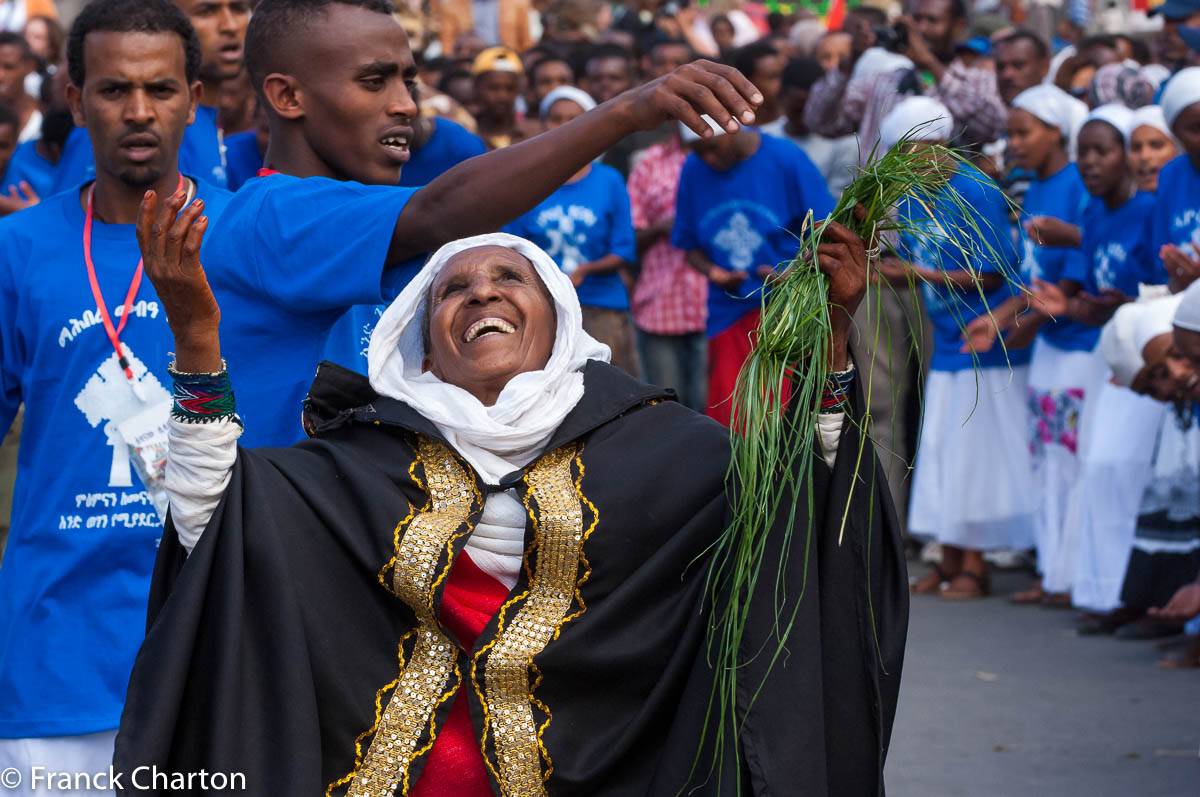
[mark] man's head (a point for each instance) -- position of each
(459, 85)
(497, 72)
(608, 71)
(1101, 50)
(16, 62)
(763, 65)
(668, 55)
(1022, 62)
(722, 151)
(548, 74)
(860, 23)
(942, 23)
(798, 78)
(489, 317)
(833, 48)
(337, 79)
(722, 32)
(1176, 14)
(10, 128)
(134, 67)
(221, 27)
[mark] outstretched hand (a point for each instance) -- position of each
(701, 87)
(170, 243)
(19, 198)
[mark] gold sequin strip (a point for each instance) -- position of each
(424, 683)
(558, 533)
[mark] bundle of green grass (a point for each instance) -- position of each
(777, 398)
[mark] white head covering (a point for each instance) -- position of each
(1117, 343)
(499, 439)
(1182, 90)
(1155, 74)
(876, 60)
(575, 95)
(1154, 320)
(803, 37)
(1150, 116)
(1187, 315)
(920, 118)
(1118, 116)
(688, 135)
(1056, 108)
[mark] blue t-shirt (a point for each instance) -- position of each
(28, 165)
(84, 534)
(1177, 210)
(450, 145)
(1061, 196)
(747, 217)
(202, 153)
(242, 158)
(1115, 253)
(288, 258)
(581, 222)
(990, 251)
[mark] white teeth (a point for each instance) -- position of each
(395, 141)
(488, 326)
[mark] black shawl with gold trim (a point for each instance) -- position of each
(281, 647)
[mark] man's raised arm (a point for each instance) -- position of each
(488, 191)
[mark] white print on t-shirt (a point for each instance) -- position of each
(368, 329)
(739, 240)
(567, 231)
(89, 318)
(1107, 259)
(107, 397)
(1031, 269)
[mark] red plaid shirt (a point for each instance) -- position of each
(671, 297)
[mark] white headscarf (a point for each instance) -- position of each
(1054, 107)
(499, 439)
(1187, 315)
(1151, 116)
(1117, 343)
(1116, 115)
(575, 95)
(919, 118)
(1155, 74)
(876, 60)
(1182, 90)
(1154, 320)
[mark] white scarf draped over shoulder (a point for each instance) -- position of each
(506, 436)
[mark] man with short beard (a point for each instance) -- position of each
(84, 345)
(220, 26)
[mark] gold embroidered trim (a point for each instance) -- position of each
(558, 540)
(432, 674)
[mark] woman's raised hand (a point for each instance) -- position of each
(170, 243)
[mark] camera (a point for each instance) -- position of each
(893, 38)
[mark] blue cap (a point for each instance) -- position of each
(1176, 9)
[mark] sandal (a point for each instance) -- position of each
(931, 582)
(967, 586)
(1188, 659)
(1057, 600)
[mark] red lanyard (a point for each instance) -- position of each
(114, 333)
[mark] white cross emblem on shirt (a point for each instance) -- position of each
(740, 240)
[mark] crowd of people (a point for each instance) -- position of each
(1034, 389)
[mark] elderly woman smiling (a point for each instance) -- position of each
(485, 570)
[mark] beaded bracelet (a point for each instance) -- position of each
(203, 398)
(835, 397)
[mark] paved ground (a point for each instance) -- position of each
(1005, 701)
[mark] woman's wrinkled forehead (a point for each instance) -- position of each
(483, 256)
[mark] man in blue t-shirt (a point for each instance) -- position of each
(329, 228)
(742, 201)
(220, 27)
(84, 345)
